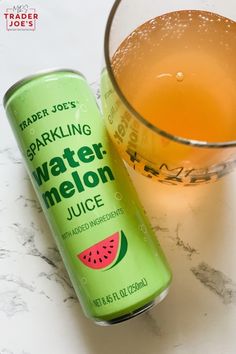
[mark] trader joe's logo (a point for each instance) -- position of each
(21, 18)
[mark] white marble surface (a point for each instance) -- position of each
(39, 313)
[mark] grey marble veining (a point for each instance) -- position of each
(56, 272)
(10, 278)
(5, 253)
(10, 154)
(217, 282)
(152, 324)
(11, 302)
(213, 280)
(26, 237)
(29, 202)
(176, 238)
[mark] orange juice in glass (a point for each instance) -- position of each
(169, 88)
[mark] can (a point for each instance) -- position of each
(110, 251)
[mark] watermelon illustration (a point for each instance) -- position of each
(106, 253)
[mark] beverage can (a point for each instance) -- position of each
(110, 251)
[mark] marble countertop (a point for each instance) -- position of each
(39, 312)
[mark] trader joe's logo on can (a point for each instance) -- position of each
(21, 18)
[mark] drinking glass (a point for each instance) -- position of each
(153, 151)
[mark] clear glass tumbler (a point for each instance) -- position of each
(169, 87)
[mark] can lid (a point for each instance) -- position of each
(29, 78)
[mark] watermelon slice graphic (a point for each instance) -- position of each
(108, 252)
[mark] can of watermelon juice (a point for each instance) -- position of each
(110, 251)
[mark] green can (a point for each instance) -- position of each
(110, 251)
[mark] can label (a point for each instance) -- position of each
(109, 249)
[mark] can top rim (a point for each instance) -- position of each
(12, 89)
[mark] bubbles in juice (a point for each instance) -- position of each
(179, 72)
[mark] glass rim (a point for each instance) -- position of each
(136, 114)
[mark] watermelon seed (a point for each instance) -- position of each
(94, 261)
(105, 257)
(100, 260)
(109, 252)
(111, 240)
(97, 252)
(89, 260)
(111, 246)
(84, 257)
(104, 247)
(90, 253)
